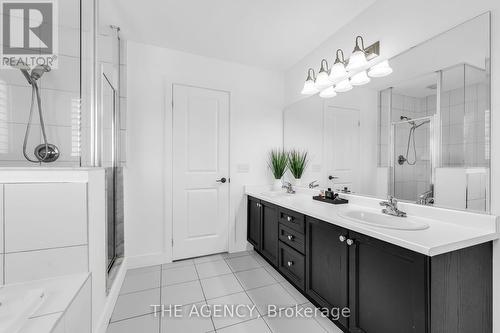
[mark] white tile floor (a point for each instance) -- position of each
(222, 279)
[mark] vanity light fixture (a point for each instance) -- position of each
(328, 93)
(322, 80)
(380, 70)
(343, 86)
(338, 71)
(309, 85)
(360, 79)
(358, 57)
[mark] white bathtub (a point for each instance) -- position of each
(17, 306)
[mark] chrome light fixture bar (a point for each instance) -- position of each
(346, 73)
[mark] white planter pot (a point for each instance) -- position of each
(297, 182)
(277, 184)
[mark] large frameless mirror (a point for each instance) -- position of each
(421, 134)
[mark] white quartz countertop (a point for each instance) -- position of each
(449, 230)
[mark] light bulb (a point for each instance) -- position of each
(338, 72)
(343, 86)
(356, 61)
(309, 85)
(380, 70)
(360, 79)
(328, 93)
(309, 88)
(322, 81)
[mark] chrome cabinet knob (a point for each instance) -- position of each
(342, 239)
(290, 263)
(289, 218)
(290, 237)
(350, 242)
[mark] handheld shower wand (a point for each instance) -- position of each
(45, 152)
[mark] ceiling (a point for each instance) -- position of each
(273, 34)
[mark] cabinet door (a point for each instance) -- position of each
(253, 222)
(387, 287)
(326, 265)
(269, 227)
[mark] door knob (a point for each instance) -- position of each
(222, 180)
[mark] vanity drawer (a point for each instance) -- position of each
(292, 238)
(292, 265)
(291, 219)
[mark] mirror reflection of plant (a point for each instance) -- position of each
(297, 163)
(278, 162)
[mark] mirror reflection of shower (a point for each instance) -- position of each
(411, 141)
(45, 152)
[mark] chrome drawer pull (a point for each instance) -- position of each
(290, 263)
(290, 237)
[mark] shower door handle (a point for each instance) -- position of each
(332, 177)
(222, 180)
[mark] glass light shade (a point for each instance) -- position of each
(356, 61)
(380, 70)
(328, 93)
(309, 88)
(360, 79)
(338, 72)
(343, 86)
(322, 81)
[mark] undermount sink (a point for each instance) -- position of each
(384, 221)
(277, 194)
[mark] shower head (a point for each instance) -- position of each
(38, 71)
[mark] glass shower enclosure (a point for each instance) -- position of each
(434, 138)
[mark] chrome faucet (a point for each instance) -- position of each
(313, 184)
(289, 187)
(391, 207)
(426, 198)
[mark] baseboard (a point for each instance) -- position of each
(147, 260)
(111, 299)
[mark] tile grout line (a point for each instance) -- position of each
(204, 296)
(161, 290)
(251, 300)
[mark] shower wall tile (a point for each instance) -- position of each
(59, 107)
(12, 138)
(37, 228)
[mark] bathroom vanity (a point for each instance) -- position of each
(437, 279)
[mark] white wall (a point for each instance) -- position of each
(256, 126)
(400, 25)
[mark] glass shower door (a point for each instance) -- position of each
(109, 163)
(413, 159)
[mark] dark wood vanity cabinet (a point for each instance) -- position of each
(327, 265)
(262, 228)
(254, 222)
(388, 289)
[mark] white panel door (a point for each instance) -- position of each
(200, 166)
(341, 142)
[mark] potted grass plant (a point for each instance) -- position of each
(297, 163)
(278, 162)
